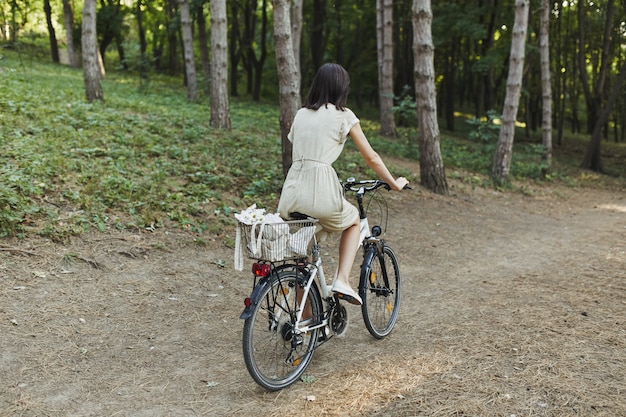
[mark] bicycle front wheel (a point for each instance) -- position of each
(379, 289)
(275, 354)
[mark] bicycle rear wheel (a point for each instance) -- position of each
(275, 354)
(379, 289)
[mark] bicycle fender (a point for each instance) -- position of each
(254, 298)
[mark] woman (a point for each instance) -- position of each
(318, 134)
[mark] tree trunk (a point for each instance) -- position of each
(288, 76)
(546, 89)
(172, 36)
(204, 48)
(54, 46)
(234, 47)
(91, 58)
(318, 35)
(504, 150)
(190, 64)
(594, 95)
(259, 63)
(220, 107)
(592, 158)
(68, 20)
(432, 173)
(384, 31)
(143, 46)
(296, 31)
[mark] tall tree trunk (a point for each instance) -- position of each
(54, 46)
(546, 89)
(288, 76)
(91, 58)
(259, 63)
(143, 46)
(234, 47)
(220, 106)
(384, 31)
(172, 36)
(432, 173)
(190, 64)
(594, 95)
(504, 150)
(203, 40)
(318, 35)
(68, 20)
(296, 31)
(592, 158)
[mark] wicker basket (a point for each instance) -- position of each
(277, 241)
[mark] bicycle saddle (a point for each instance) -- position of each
(295, 215)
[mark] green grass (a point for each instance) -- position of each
(147, 158)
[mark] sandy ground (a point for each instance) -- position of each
(514, 304)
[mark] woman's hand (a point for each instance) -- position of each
(399, 183)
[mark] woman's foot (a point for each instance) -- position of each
(346, 293)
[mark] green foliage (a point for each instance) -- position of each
(147, 158)
(485, 130)
(476, 155)
(405, 111)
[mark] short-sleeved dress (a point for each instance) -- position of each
(312, 186)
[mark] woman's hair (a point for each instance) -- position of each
(330, 85)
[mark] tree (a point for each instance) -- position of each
(252, 42)
(592, 156)
(432, 173)
(288, 76)
(504, 149)
(143, 45)
(190, 65)
(384, 32)
(91, 63)
(595, 94)
(68, 20)
(296, 31)
(220, 107)
(204, 48)
(544, 50)
(54, 46)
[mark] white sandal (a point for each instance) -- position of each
(346, 293)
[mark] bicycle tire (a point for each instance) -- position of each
(380, 290)
(275, 355)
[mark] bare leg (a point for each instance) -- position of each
(348, 246)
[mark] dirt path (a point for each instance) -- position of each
(514, 305)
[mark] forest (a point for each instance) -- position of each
(472, 43)
(145, 41)
(119, 181)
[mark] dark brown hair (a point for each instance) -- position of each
(330, 85)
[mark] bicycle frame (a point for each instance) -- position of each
(316, 269)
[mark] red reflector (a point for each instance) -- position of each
(247, 302)
(260, 270)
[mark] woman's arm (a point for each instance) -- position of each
(373, 160)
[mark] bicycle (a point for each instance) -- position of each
(281, 331)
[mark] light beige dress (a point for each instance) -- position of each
(312, 186)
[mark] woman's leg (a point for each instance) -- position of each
(348, 246)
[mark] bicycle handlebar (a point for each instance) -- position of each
(352, 184)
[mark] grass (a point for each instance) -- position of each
(147, 158)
